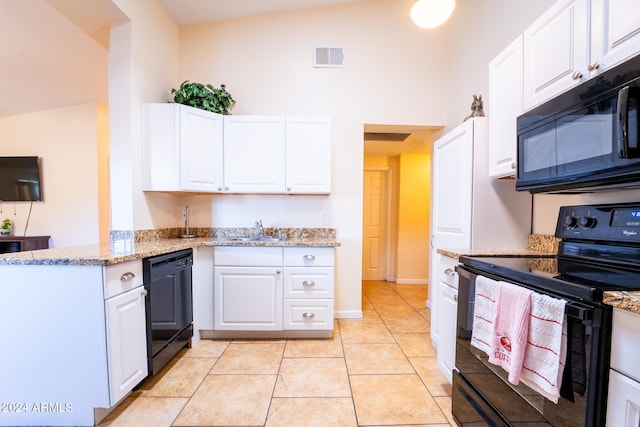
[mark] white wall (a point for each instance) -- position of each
(66, 140)
(267, 64)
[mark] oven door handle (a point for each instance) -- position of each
(576, 311)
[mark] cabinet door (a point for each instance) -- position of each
(447, 337)
(308, 155)
(248, 298)
(505, 95)
(126, 342)
(254, 154)
(555, 51)
(615, 33)
(451, 192)
(201, 140)
(623, 402)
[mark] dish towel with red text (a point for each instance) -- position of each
(510, 328)
(547, 346)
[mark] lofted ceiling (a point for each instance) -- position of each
(54, 53)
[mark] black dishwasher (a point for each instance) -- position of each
(169, 306)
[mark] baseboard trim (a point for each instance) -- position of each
(412, 281)
(348, 314)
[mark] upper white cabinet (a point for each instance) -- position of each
(575, 40)
(308, 154)
(505, 95)
(254, 154)
(187, 149)
(182, 148)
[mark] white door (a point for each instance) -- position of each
(248, 298)
(126, 342)
(374, 245)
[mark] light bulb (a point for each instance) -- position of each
(431, 13)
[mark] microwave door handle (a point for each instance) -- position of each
(623, 122)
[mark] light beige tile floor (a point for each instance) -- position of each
(379, 370)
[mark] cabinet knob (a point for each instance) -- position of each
(513, 165)
(219, 188)
(577, 75)
(309, 257)
(593, 66)
(449, 272)
(455, 297)
(288, 188)
(127, 276)
(308, 283)
(308, 315)
(278, 272)
(226, 188)
(144, 293)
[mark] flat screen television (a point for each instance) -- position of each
(20, 179)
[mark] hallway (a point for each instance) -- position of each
(379, 370)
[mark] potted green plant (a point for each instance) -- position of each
(6, 227)
(204, 96)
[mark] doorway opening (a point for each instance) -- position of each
(396, 203)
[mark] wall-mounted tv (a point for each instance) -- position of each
(20, 179)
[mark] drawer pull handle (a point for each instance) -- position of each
(127, 276)
(308, 315)
(308, 283)
(309, 257)
(450, 272)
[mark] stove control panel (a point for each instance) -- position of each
(611, 222)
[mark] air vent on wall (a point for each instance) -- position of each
(326, 56)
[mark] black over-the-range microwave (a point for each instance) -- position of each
(585, 139)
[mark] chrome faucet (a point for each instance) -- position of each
(258, 229)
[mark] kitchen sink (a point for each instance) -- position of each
(255, 239)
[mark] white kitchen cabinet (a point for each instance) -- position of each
(447, 294)
(248, 289)
(469, 210)
(90, 331)
(126, 342)
(182, 148)
(288, 291)
(254, 154)
(505, 95)
(308, 288)
(308, 155)
(623, 402)
(575, 40)
(202, 290)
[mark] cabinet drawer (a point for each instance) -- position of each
(248, 256)
(308, 282)
(308, 314)
(447, 271)
(118, 278)
(308, 257)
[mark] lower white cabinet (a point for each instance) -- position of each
(273, 289)
(126, 342)
(623, 402)
(447, 296)
(248, 298)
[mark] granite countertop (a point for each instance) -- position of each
(625, 300)
(119, 251)
(538, 245)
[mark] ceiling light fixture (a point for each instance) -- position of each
(431, 13)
